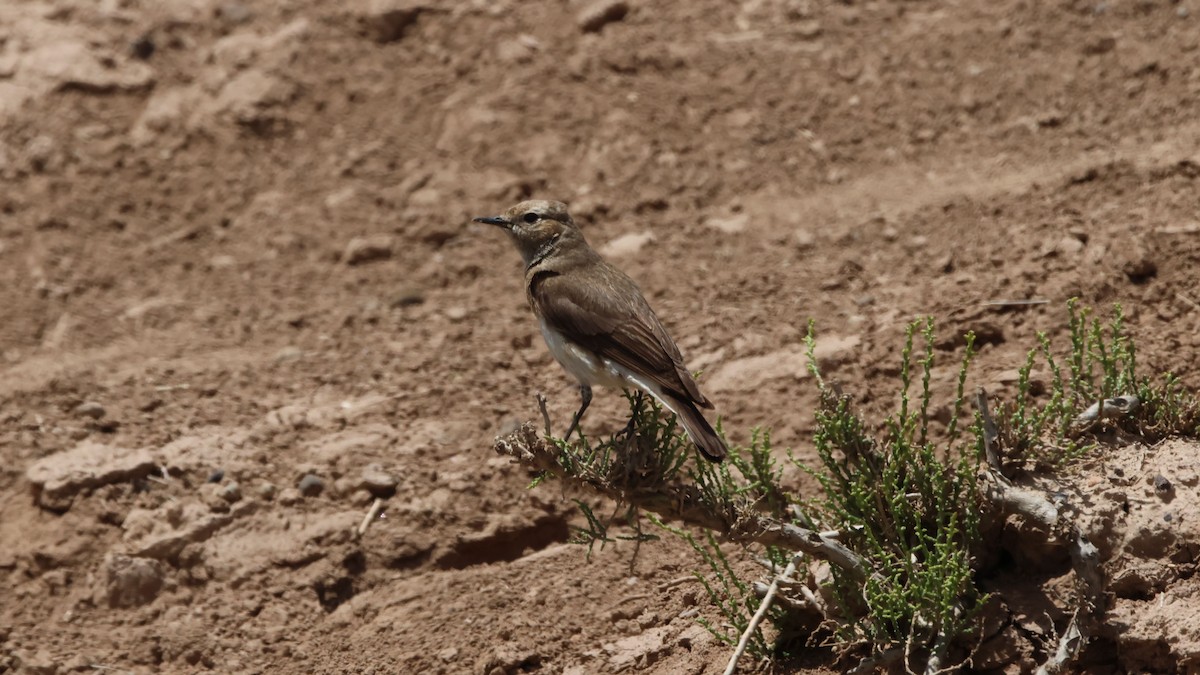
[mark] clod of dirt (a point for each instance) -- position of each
(387, 20)
(508, 659)
(130, 581)
(1139, 266)
(596, 15)
(638, 650)
(58, 478)
(368, 249)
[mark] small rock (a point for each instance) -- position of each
(289, 496)
(289, 353)
(216, 476)
(310, 485)
(378, 482)
(808, 29)
(456, 313)
(231, 492)
(1162, 486)
(222, 262)
(729, 225)
(448, 655)
(90, 409)
(599, 13)
(267, 490)
(803, 238)
(368, 249)
(1100, 46)
(130, 581)
(234, 12)
(408, 296)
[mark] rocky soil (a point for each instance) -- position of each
(243, 300)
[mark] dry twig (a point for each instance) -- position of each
(684, 501)
(763, 607)
(372, 513)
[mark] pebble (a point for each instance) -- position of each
(378, 482)
(596, 15)
(90, 409)
(310, 485)
(289, 496)
(267, 490)
(369, 249)
(231, 492)
(216, 476)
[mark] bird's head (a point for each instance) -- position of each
(536, 226)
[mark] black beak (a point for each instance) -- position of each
(493, 220)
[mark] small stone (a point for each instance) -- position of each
(378, 482)
(808, 29)
(267, 491)
(448, 655)
(599, 13)
(456, 313)
(289, 353)
(231, 492)
(234, 12)
(290, 496)
(368, 249)
(131, 581)
(216, 476)
(1162, 486)
(310, 485)
(408, 296)
(90, 409)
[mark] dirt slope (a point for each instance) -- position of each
(236, 251)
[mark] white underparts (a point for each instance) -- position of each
(592, 370)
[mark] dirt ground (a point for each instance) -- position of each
(243, 297)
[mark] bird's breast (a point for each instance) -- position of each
(584, 365)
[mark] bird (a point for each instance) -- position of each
(596, 322)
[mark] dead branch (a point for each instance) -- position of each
(1085, 557)
(685, 502)
(763, 607)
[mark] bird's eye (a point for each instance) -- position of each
(530, 217)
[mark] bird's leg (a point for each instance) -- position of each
(585, 394)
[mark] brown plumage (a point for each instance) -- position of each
(596, 321)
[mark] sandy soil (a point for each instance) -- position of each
(243, 297)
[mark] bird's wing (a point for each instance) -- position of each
(612, 319)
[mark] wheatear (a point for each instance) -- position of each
(596, 322)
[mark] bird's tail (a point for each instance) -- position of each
(698, 429)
